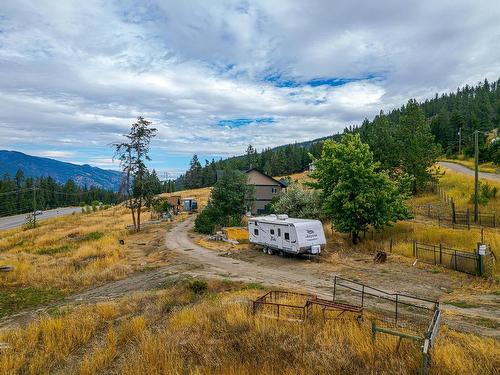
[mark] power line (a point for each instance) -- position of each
(17, 191)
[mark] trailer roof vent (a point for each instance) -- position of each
(282, 217)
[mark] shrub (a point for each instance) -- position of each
(198, 287)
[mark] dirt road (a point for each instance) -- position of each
(469, 172)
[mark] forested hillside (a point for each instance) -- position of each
(461, 112)
(16, 194)
(396, 140)
(34, 166)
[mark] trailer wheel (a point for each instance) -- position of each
(264, 250)
(270, 251)
(281, 254)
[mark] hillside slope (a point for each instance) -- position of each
(34, 166)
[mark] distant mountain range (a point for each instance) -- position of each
(34, 166)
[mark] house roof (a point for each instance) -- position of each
(269, 177)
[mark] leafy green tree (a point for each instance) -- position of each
(298, 202)
(227, 204)
(356, 194)
(419, 152)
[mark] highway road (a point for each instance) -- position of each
(9, 222)
(461, 169)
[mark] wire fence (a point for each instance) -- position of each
(468, 262)
(394, 308)
(447, 215)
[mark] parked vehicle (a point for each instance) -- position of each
(38, 212)
(279, 233)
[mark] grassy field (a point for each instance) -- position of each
(201, 195)
(66, 254)
(461, 187)
(189, 327)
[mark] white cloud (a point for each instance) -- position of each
(74, 75)
(56, 154)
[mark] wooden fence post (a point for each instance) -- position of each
(390, 245)
(453, 214)
(440, 253)
(494, 219)
(468, 219)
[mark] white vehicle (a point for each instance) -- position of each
(279, 233)
(38, 212)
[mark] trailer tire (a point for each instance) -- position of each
(270, 251)
(264, 250)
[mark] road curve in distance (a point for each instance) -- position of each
(469, 172)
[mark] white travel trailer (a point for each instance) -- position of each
(279, 233)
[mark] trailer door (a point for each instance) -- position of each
(288, 238)
(276, 234)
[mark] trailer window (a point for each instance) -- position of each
(272, 231)
(256, 231)
(287, 236)
(279, 232)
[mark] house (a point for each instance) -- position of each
(265, 189)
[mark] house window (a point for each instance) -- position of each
(272, 231)
(287, 236)
(279, 232)
(274, 190)
(256, 231)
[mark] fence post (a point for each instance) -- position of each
(334, 287)
(434, 252)
(455, 260)
(429, 210)
(440, 253)
(397, 308)
(415, 248)
(479, 264)
(468, 219)
(494, 219)
(390, 245)
(362, 295)
(453, 215)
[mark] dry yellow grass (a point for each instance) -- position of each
(175, 331)
(66, 254)
(461, 187)
(201, 195)
(300, 177)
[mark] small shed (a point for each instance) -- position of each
(175, 201)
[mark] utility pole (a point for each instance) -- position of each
(476, 176)
(34, 205)
(459, 140)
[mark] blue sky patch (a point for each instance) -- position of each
(278, 80)
(238, 122)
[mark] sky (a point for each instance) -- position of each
(215, 76)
